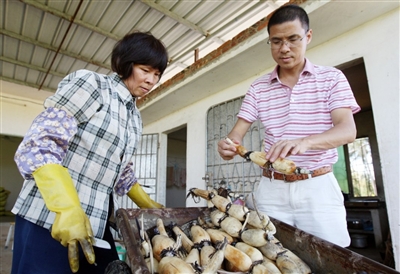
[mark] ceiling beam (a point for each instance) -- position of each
(69, 17)
(30, 66)
(176, 17)
(24, 83)
(215, 34)
(52, 48)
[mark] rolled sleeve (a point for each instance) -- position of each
(46, 141)
(126, 181)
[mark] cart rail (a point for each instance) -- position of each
(322, 256)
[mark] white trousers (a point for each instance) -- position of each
(315, 206)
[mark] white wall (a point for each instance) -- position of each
(16, 111)
(378, 43)
(381, 58)
(16, 115)
(195, 118)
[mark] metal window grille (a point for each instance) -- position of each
(145, 166)
(236, 175)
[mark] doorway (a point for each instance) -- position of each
(176, 168)
(361, 170)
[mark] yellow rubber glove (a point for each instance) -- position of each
(71, 224)
(141, 198)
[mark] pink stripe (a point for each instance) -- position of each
(315, 95)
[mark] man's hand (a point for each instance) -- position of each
(226, 150)
(343, 132)
(285, 148)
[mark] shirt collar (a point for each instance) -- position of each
(308, 68)
(123, 91)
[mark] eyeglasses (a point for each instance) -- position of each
(292, 42)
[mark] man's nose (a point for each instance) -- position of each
(285, 46)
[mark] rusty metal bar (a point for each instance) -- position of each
(62, 42)
(131, 244)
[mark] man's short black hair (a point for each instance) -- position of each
(289, 13)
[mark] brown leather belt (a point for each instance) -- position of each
(297, 177)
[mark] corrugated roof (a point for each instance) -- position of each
(44, 40)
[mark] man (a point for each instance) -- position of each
(307, 111)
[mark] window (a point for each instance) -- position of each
(361, 168)
(354, 169)
(340, 171)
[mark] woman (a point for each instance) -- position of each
(79, 151)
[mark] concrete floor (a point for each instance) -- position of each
(5, 253)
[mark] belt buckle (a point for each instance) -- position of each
(303, 171)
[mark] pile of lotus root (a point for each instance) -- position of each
(234, 239)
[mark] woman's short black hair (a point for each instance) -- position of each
(289, 13)
(139, 48)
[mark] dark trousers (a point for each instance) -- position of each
(36, 252)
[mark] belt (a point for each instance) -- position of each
(297, 177)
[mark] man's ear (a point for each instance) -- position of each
(309, 36)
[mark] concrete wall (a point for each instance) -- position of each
(16, 115)
(16, 110)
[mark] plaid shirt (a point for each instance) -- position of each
(91, 126)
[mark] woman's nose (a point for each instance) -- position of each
(152, 79)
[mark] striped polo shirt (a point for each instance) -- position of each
(299, 112)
